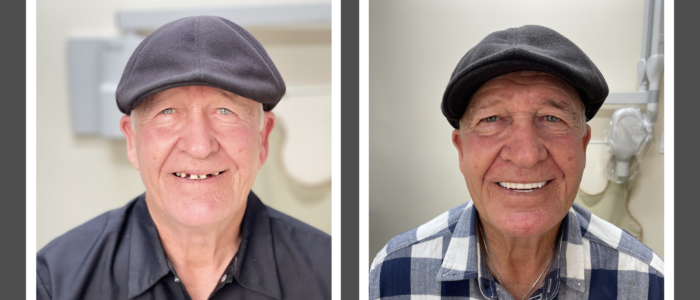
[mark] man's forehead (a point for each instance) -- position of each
(184, 92)
(525, 78)
(522, 79)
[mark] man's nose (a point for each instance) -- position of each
(524, 146)
(198, 139)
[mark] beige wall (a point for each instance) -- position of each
(414, 47)
(81, 177)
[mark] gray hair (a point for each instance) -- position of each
(261, 115)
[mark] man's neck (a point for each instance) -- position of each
(199, 254)
(519, 261)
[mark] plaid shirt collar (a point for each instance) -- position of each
(458, 264)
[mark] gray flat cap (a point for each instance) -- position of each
(203, 50)
(530, 47)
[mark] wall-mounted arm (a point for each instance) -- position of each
(655, 63)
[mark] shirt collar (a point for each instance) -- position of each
(256, 268)
(463, 259)
(147, 260)
(254, 265)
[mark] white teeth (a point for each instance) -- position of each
(202, 176)
(522, 186)
(215, 173)
(177, 174)
(192, 176)
(183, 175)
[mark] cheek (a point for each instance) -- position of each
(569, 155)
(240, 143)
(479, 155)
(480, 152)
(155, 144)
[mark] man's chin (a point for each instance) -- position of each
(526, 224)
(199, 212)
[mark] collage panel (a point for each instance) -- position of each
(512, 127)
(184, 150)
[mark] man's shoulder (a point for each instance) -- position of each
(301, 249)
(425, 238)
(77, 252)
(607, 242)
(282, 221)
(100, 229)
(299, 237)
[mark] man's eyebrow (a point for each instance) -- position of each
(150, 101)
(483, 104)
(238, 100)
(233, 97)
(228, 95)
(566, 106)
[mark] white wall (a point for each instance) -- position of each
(81, 177)
(414, 47)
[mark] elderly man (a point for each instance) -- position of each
(197, 95)
(519, 102)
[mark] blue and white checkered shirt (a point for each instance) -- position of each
(441, 260)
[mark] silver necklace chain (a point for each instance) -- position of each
(483, 237)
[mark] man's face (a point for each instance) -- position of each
(197, 131)
(523, 128)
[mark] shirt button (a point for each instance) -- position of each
(177, 279)
(223, 278)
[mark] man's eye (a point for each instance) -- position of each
(224, 111)
(491, 119)
(168, 111)
(551, 119)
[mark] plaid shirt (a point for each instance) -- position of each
(441, 260)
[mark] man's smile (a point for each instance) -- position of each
(197, 176)
(524, 187)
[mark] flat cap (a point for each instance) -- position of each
(203, 50)
(530, 47)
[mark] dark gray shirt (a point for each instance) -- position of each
(118, 255)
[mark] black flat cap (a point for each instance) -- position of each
(530, 47)
(203, 50)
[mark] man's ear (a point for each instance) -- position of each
(128, 130)
(457, 141)
(265, 136)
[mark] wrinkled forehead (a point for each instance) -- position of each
(533, 81)
(192, 94)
